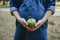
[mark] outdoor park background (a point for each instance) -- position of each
(7, 22)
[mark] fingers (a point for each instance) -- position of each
(38, 23)
(24, 21)
(30, 29)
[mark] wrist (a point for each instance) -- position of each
(44, 19)
(19, 19)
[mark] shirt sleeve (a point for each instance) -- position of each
(14, 5)
(51, 6)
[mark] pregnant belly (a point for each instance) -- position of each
(24, 12)
(38, 14)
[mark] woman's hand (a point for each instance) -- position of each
(25, 24)
(24, 21)
(43, 20)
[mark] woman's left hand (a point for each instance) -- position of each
(38, 25)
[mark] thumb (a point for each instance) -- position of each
(37, 24)
(26, 23)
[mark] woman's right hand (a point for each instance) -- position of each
(25, 24)
(23, 21)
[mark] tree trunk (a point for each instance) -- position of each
(3, 2)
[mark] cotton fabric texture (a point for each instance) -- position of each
(31, 9)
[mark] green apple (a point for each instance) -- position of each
(31, 22)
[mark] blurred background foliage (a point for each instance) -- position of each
(6, 4)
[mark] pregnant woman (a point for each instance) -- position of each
(40, 10)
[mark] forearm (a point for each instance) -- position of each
(16, 15)
(46, 16)
(20, 20)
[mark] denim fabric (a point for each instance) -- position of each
(31, 9)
